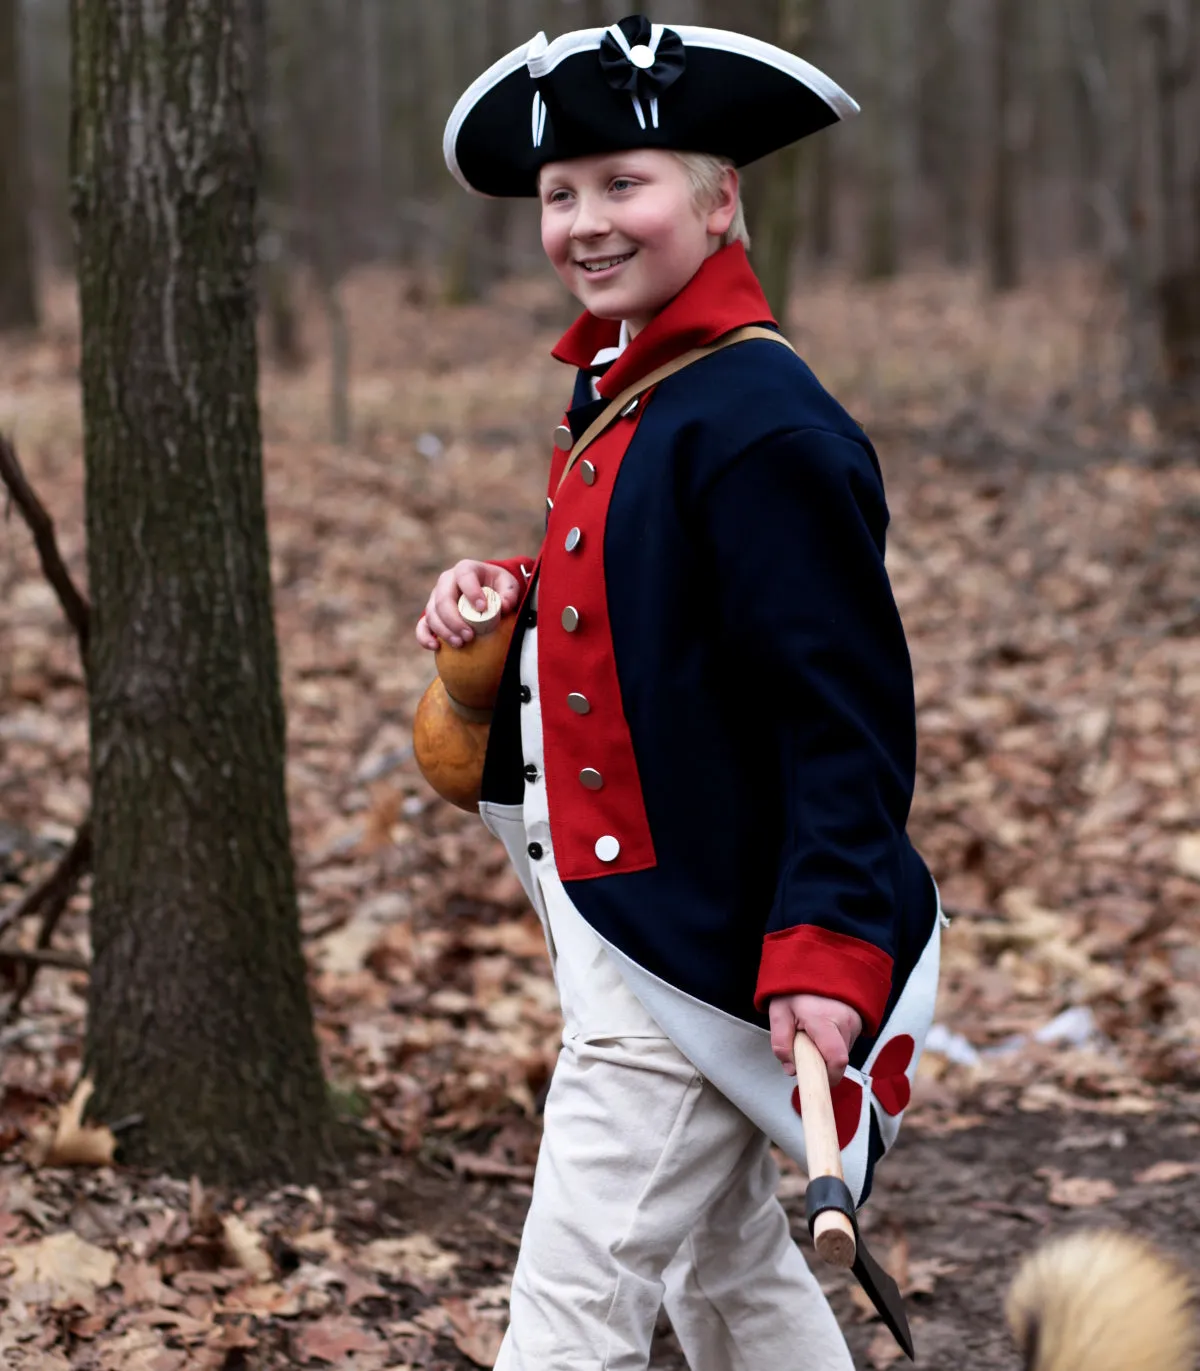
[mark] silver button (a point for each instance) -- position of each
(607, 848)
(631, 407)
(591, 779)
(570, 618)
(588, 472)
(549, 504)
(563, 439)
(579, 703)
(574, 538)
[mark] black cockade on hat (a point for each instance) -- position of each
(638, 64)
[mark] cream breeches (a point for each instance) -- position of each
(651, 1189)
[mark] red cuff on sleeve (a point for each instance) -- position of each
(807, 960)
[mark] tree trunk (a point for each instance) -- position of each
(199, 1023)
(1003, 259)
(770, 189)
(826, 154)
(497, 215)
(470, 254)
(275, 288)
(1174, 109)
(950, 99)
(881, 256)
(778, 221)
(18, 292)
(822, 226)
(1089, 236)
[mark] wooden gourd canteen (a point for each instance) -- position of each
(450, 730)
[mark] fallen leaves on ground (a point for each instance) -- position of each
(1164, 1172)
(1045, 552)
(60, 1271)
(1077, 1192)
(75, 1143)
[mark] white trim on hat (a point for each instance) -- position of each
(497, 72)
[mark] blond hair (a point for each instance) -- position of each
(705, 172)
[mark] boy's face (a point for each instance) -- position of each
(624, 232)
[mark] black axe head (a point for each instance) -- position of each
(828, 1192)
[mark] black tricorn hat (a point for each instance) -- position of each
(633, 85)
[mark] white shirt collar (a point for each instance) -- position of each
(607, 355)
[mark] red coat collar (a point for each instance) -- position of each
(723, 295)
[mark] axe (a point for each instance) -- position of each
(828, 1204)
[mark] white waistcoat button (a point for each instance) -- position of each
(607, 848)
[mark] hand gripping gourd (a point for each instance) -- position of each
(450, 730)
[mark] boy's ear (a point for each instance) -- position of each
(720, 216)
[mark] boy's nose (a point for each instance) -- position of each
(589, 222)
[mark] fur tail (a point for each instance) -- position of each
(1100, 1300)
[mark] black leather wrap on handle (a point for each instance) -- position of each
(828, 1192)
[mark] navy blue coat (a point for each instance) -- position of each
(765, 687)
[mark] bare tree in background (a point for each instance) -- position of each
(18, 291)
(275, 275)
(199, 1023)
(1139, 75)
(318, 128)
(771, 188)
(477, 228)
(1003, 234)
(945, 101)
(1174, 27)
(776, 229)
(886, 129)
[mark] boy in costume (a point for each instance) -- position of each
(702, 754)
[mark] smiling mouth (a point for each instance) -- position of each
(598, 264)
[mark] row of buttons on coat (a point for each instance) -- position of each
(607, 848)
(580, 704)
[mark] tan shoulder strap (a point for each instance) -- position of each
(628, 395)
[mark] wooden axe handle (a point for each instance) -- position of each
(832, 1232)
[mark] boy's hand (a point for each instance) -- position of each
(442, 621)
(832, 1025)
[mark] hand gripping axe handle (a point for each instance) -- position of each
(829, 1206)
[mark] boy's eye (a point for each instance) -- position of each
(556, 196)
(622, 182)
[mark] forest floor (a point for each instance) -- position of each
(1045, 550)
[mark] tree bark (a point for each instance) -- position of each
(18, 291)
(949, 101)
(778, 223)
(1174, 109)
(275, 288)
(468, 261)
(1003, 241)
(199, 1021)
(497, 215)
(881, 255)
